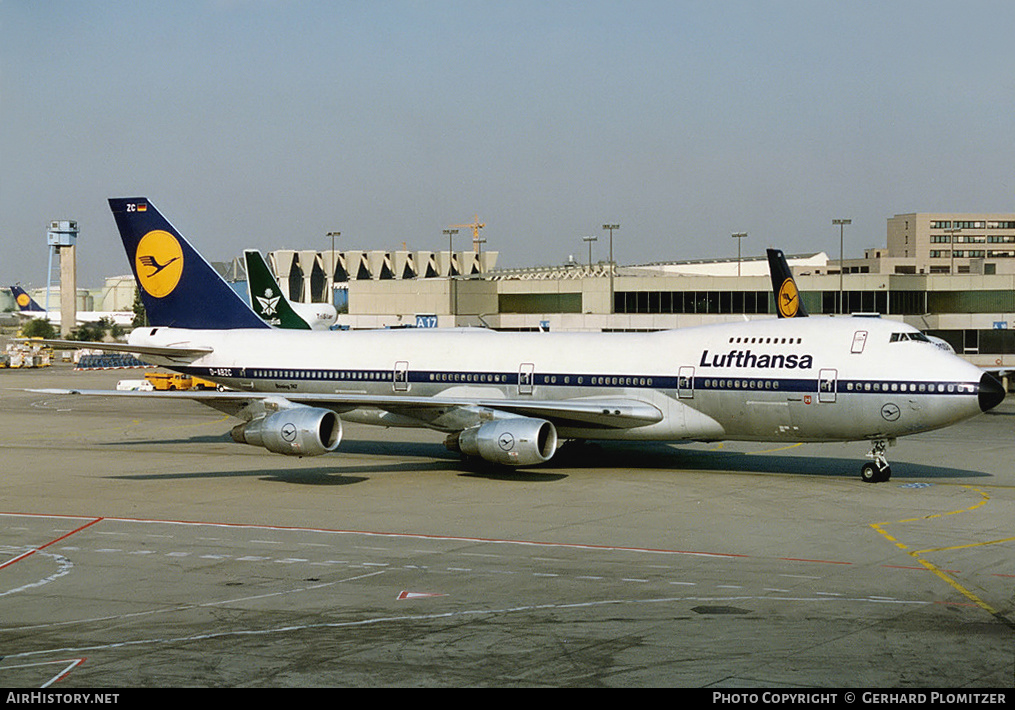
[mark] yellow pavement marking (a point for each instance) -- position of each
(781, 448)
(918, 554)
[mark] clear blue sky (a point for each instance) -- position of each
(254, 123)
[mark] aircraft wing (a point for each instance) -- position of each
(605, 412)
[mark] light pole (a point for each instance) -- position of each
(842, 223)
(451, 271)
(588, 240)
(739, 236)
(331, 276)
(610, 228)
(951, 251)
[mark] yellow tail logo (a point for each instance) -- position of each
(158, 263)
(788, 301)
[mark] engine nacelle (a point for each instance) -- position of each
(300, 431)
(518, 441)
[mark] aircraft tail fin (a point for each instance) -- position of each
(266, 298)
(178, 287)
(25, 302)
(787, 296)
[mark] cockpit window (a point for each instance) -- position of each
(897, 337)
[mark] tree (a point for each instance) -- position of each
(97, 331)
(39, 328)
(140, 315)
(89, 332)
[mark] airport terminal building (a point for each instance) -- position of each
(948, 274)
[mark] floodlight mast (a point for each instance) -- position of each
(610, 228)
(842, 223)
(739, 236)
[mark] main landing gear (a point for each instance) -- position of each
(877, 470)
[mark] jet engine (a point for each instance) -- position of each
(518, 441)
(299, 431)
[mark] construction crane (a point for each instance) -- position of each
(475, 227)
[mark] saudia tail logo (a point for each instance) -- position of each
(788, 301)
(268, 307)
(158, 263)
(268, 302)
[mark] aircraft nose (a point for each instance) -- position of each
(991, 392)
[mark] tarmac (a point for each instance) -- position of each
(141, 547)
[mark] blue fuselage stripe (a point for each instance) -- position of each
(712, 383)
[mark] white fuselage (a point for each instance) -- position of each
(808, 379)
(82, 317)
(319, 316)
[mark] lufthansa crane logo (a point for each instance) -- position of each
(158, 263)
(23, 300)
(788, 301)
(506, 441)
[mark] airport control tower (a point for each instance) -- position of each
(62, 238)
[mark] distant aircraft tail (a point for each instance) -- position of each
(178, 287)
(787, 296)
(266, 298)
(25, 302)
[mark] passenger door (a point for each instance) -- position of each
(526, 378)
(400, 377)
(827, 385)
(685, 383)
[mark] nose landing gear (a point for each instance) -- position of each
(877, 470)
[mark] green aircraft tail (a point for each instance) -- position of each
(266, 298)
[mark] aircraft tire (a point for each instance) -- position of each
(869, 473)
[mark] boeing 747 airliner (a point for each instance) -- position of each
(509, 398)
(28, 308)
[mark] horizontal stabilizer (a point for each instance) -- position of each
(177, 354)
